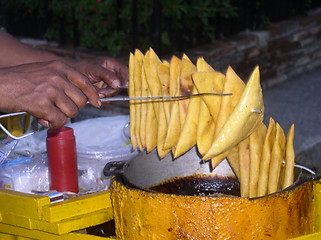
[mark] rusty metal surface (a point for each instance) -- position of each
(143, 215)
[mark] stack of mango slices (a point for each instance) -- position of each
(220, 126)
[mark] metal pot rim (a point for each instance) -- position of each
(305, 175)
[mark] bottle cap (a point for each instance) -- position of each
(60, 133)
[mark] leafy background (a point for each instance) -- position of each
(119, 26)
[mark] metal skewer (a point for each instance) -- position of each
(110, 99)
(113, 99)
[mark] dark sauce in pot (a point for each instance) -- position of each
(200, 186)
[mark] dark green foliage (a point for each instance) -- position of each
(119, 26)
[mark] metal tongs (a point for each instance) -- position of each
(110, 99)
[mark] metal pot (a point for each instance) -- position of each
(142, 213)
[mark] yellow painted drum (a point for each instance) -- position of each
(143, 214)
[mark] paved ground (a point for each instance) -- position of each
(297, 101)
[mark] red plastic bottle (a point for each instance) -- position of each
(62, 160)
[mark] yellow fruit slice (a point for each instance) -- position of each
(244, 119)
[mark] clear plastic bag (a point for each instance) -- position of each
(7, 145)
(30, 174)
(98, 141)
(25, 174)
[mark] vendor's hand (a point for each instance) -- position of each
(51, 91)
(107, 74)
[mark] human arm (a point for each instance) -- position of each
(50, 91)
(13, 52)
(50, 87)
(105, 73)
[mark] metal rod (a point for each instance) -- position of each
(113, 99)
(13, 136)
(12, 114)
(122, 87)
(305, 168)
(110, 99)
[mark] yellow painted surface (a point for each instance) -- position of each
(143, 215)
(35, 212)
(9, 232)
(76, 223)
(161, 216)
(76, 206)
(22, 204)
(313, 236)
(317, 198)
(16, 220)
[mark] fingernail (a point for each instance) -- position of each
(115, 83)
(101, 95)
(46, 123)
(99, 103)
(50, 125)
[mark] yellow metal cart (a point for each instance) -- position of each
(29, 216)
(26, 216)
